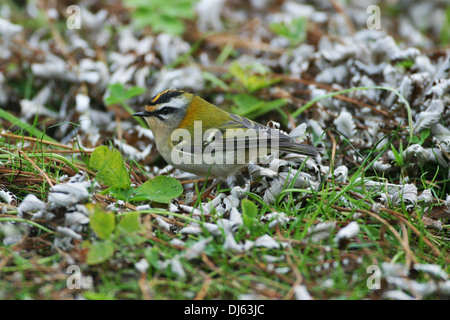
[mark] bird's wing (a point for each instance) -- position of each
(241, 133)
(273, 139)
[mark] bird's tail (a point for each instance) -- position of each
(301, 149)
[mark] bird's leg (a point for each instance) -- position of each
(211, 187)
(206, 192)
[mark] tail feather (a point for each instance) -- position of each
(301, 149)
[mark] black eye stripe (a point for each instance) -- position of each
(161, 114)
(165, 110)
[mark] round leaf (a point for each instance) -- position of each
(160, 189)
(110, 166)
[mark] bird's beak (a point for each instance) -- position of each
(142, 114)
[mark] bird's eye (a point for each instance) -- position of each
(165, 110)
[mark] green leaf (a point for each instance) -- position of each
(445, 30)
(415, 139)
(245, 101)
(249, 212)
(133, 92)
(103, 223)
(110, 100)
(248, 105)
(182, 9)
(398, 156)
(168, 24)
(404, 64)
(269, 106)
(117, 90)
(160, 189)
(296, 31)
(100, 252)
(118, 94)
(110, 166)
(280, 28)
(130, 223)
(162, 16)
(251, 81)
(122, 193)
(424, 134)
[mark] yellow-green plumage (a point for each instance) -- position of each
(172, 110)
(201, 110)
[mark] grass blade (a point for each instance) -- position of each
(31, 129)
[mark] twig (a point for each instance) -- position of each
(36, 167)
(333, 149)
(386, 223)
(19, 137)
(134, 174)
(204, 289)
(298, 276)
(330, 88)
(145, 287)
(220, 39)
(70, 151)
(406, 243)
(414, 229)
(341, 11)
(195, 180)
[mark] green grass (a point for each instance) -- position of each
(31, 129)
(109, 251)
(224, 274)
(120, 235)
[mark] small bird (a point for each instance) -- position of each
(196, 136)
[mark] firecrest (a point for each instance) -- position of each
(196, 136)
